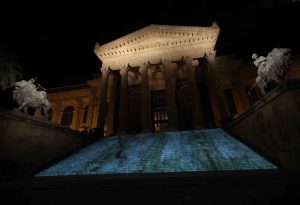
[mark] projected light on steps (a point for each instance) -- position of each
(197, 150)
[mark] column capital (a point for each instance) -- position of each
(144, 67)
(105, 71)
(187, 59)
(211, 55)
(145, 64)
(166, 62)
(124, 69)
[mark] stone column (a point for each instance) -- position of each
(59, 113)
(111, 105)
(171, 97)
(220, 97)
(102, 103)
(123, 112)
(54, 111)
(96, 106)
(145, 99)
(195, 97)
(78, 114)
(91, 108)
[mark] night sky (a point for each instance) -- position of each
(55, 42)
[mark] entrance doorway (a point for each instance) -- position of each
(159, 112)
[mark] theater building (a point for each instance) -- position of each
(160, 78)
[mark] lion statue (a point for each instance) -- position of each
(27, 95)
(272, 70)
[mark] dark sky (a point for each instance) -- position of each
(55, 42)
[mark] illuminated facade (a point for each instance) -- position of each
(156, 79)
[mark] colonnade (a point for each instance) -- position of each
(167, 67)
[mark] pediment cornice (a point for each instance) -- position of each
(158, 37)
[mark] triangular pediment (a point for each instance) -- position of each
(157, 37)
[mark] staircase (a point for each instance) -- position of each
(185, 151)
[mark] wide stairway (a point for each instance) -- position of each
(186, 151)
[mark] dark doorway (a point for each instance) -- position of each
(159, 112)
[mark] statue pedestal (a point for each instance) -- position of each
(28, 145)
(272, 125)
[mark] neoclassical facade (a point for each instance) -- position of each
(159, 78)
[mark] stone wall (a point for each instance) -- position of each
(28, 145)
(272, 125)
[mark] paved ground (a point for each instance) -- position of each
(188, 151)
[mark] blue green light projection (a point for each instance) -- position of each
(197, 150)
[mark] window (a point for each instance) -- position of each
(67, 117)
(85, 113)
(230, 101)
(159, 111)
